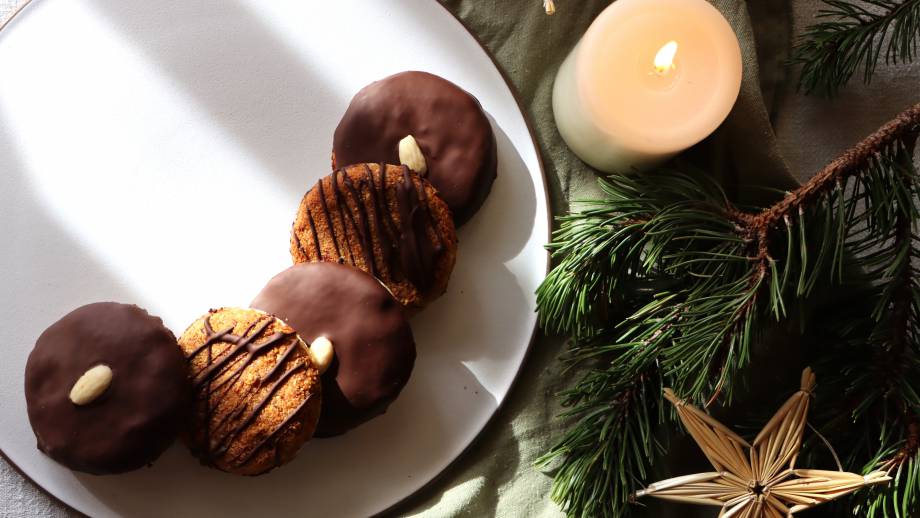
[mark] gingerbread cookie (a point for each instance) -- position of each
(373, 346)
(106, 388)
(446, 123)
(385, 220)
(257, 391)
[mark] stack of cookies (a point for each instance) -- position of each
(324, 347)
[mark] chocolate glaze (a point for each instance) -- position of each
(407, 250)
(374, 348)
(138, 415)
(447, 122)
(228, 367)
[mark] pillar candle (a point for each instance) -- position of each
(647, 80)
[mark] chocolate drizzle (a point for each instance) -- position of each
(363, 230)
(407, 250)
(216, 380)
(315, 238)
(416, 253)
(335, 239)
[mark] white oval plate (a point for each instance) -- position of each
(155, 153)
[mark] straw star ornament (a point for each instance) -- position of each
(764, 482)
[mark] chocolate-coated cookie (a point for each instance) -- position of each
(385, 220)
(257, 392)
(373, 344)
(106, 388)
(448, 123)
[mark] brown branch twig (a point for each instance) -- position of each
(847, 164)
(910, 448)
(756, 227)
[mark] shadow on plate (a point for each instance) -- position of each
(240, 76)
(444, 397)
(496, 234)
(69, 273)
(406, 444)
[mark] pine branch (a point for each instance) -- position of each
(671, 247)
(853, 35)
(901, 460)
(697, 276)
(851, 163)
(647, 235)
(612, 444)
(876, 370)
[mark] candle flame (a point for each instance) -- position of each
(664, 59)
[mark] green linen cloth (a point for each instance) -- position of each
(496, 476)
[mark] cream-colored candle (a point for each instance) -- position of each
(648, 79)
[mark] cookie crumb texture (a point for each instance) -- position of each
(257, 394)
(385, 220)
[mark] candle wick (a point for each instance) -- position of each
(664, 58)
(662, 71)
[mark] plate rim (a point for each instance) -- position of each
(403, 502)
